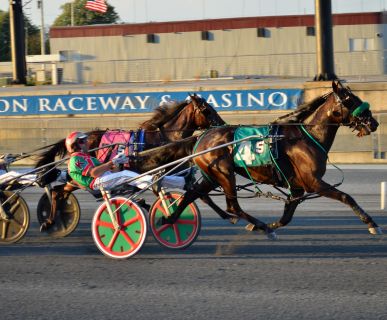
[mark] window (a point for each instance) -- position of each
(361, 44)
(151, 38)
(369, 44)
(262, 33)
(310, 31)
(207, 36)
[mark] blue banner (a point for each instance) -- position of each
(126, 103)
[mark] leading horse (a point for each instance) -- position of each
(301, 163)
(169, 123)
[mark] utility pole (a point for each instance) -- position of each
(324, 39)
(72, 12)
(42, 36)
(19, 68)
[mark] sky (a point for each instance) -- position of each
(136, 11)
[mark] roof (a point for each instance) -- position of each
(211, 24)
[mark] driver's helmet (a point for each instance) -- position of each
(72, 139)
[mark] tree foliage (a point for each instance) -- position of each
(83, 16)
(5, 39)
(32, 37)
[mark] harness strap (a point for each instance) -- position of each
(281, 172)
(313, 139)
(313, 194)
(248, 173)
(141, 139)
(194, 151)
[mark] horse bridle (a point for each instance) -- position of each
(201, 107)
(357, 113)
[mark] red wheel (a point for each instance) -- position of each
(184, 231)
(128, 239)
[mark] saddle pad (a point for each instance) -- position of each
(111, 137)
(254, 152)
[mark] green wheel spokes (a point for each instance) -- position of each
(184, 231)
(128, 238)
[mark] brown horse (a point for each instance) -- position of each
(168, 123)
(301, 163)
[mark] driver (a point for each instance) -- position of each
(90, 173)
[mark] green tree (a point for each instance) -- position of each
(5, 42)
(83, 16)
(32, 36)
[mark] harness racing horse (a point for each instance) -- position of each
(302, 157)
(168, 123)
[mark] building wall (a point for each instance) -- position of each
(286, 51)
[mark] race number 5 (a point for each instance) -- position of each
(244, 150)
(259, 146)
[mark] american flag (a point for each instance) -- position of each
(96, 5)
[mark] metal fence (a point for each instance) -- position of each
(359, 64)
(352, 64)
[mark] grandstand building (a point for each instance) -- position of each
(238, 47)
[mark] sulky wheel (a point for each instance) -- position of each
(14, 219)
(128, 239)
(184, 231)
(66, 218)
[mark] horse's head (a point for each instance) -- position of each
(351, 111)
(205, 115)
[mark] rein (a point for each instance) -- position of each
(314, 195)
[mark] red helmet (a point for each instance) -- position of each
(72, 139)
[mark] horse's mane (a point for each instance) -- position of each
(162, 115)
(302, 111)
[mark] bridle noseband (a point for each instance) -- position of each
(358, 118)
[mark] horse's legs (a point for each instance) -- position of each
(326, 190)
(287, 216)
(201, 191)
(197, 191)
(57, 192)
(207, 200)
(289, 209)
(226, 178)
(234, 208)
(223, 214)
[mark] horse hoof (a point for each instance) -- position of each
(160, 222)
(45, 226)
(272, 236)
(233, 220)
(377, 230)
(250, 227)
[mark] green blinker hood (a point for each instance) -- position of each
(360, 109)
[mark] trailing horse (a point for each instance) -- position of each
(168, 123)
(299, 167)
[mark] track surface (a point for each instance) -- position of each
(325, 266)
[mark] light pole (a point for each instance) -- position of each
(324, 39)
(72, 12)
(19, 68)
(42, 42)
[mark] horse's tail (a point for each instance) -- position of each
(57, 149)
